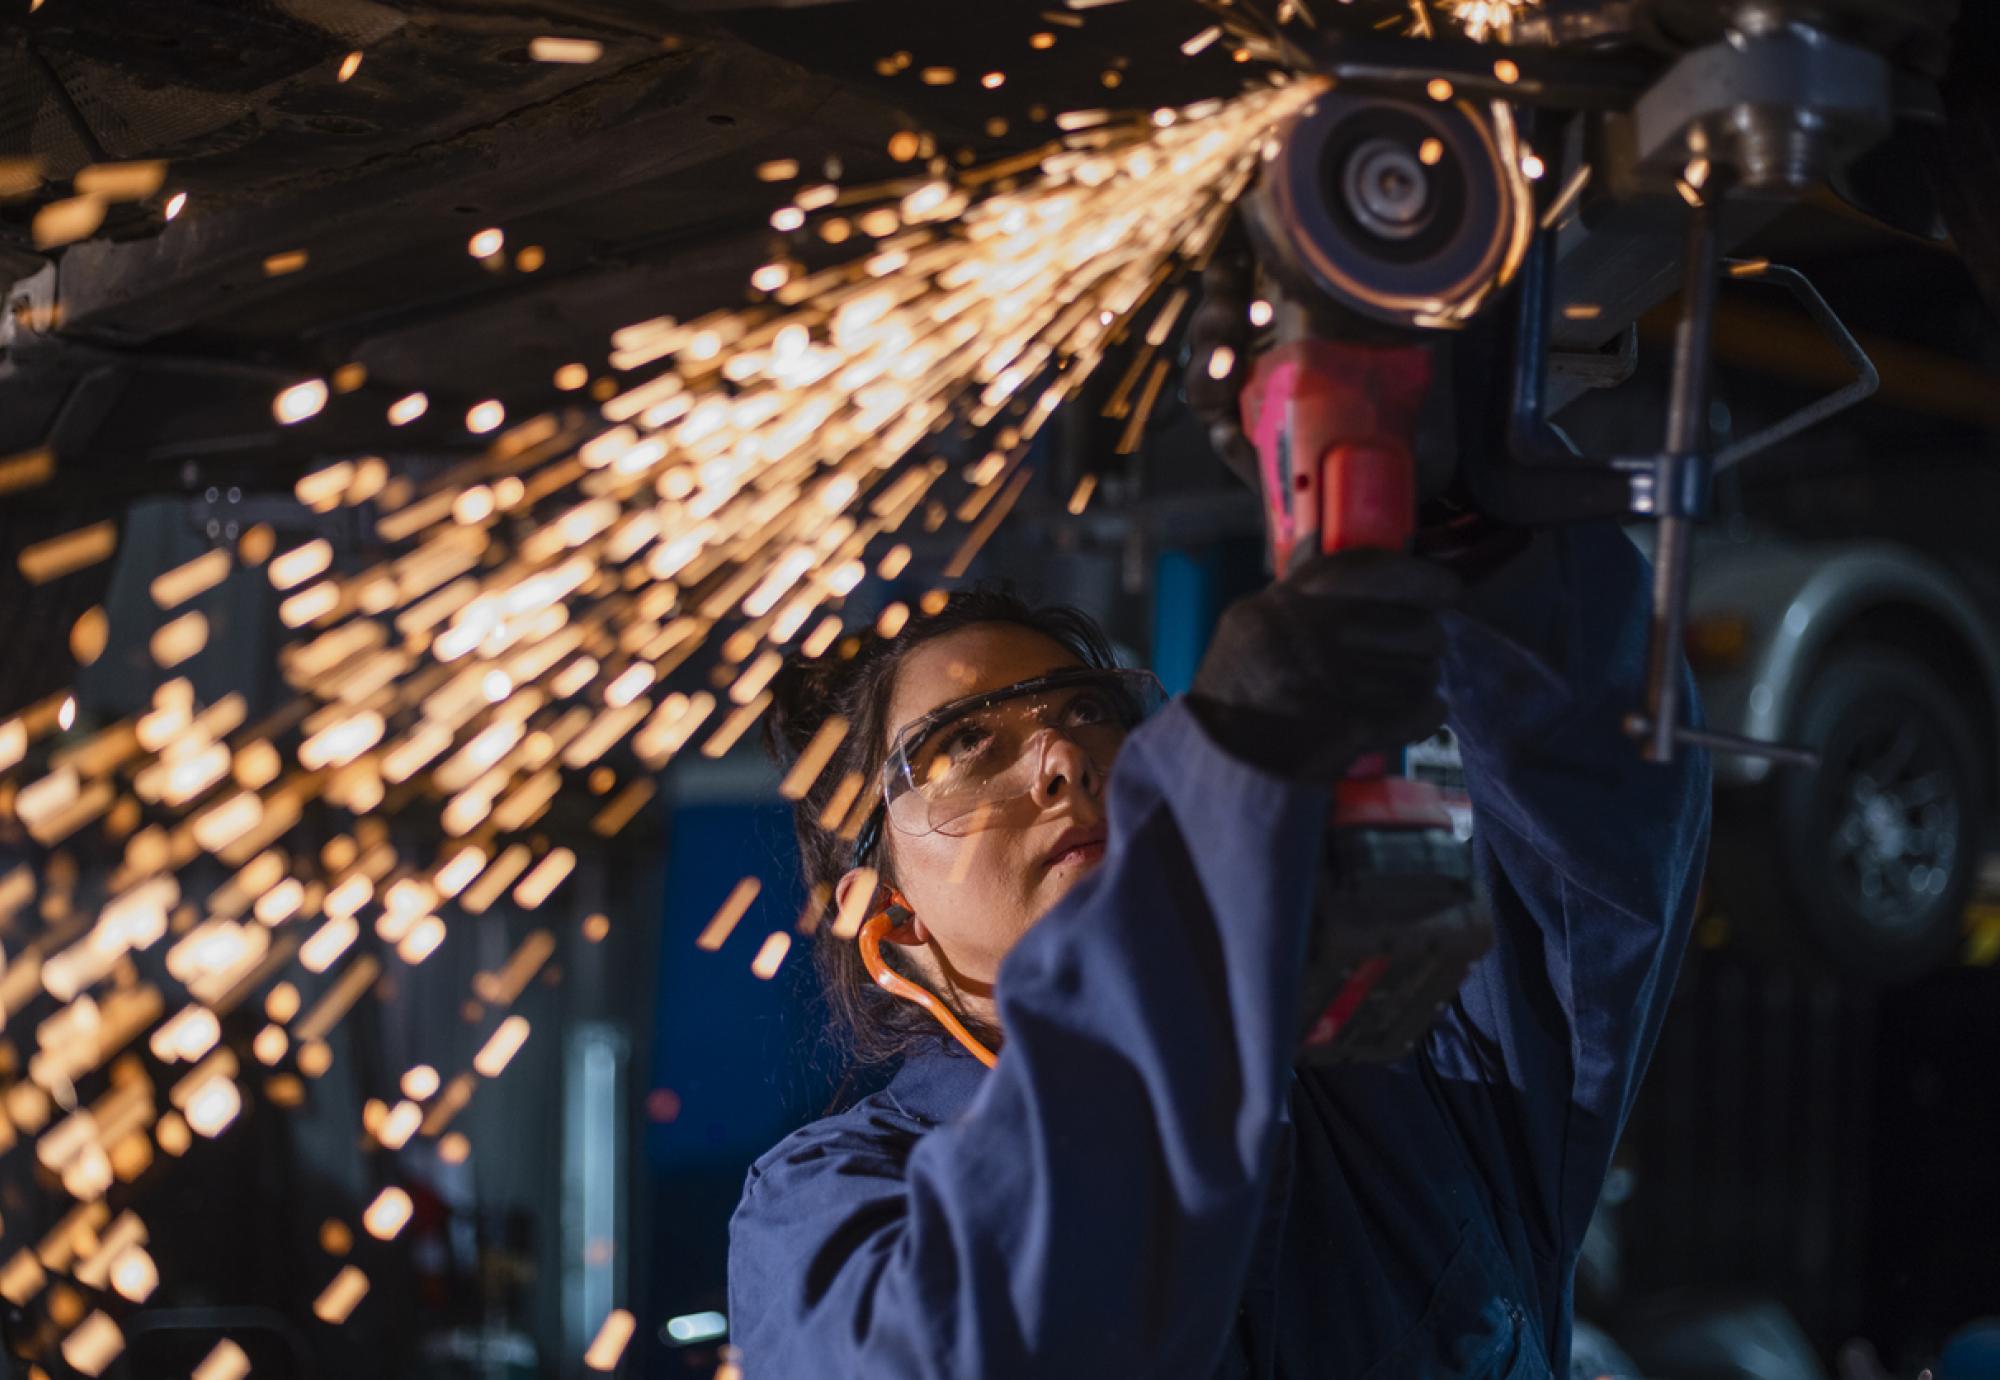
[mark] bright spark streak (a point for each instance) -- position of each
(300, 401)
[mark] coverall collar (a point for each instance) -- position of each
(937, 1084)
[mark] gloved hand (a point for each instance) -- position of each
(1338, 659)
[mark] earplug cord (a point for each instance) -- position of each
(882, 925)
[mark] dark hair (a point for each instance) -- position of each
(855, 680)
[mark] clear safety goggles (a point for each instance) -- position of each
(960, 761)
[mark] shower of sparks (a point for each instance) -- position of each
(577, 50)
(26, 470)
(94, 1344)
(1201, 40)
(300, 401)
(1484, 19)
(408, 408)
(1079, 499)
(776, 945)
(18, 175)
(227, 1361)
(717, 931)
(500, 1049)
(339, 1298)
(67, 221)
(386, 1216)
(543, 618)
(89, 636)
(58, 556)
(609, 1344)
(121, 181)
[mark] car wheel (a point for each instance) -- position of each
(1865, 863)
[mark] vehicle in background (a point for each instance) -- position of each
(1886, 661)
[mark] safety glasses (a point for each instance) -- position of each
(967, 757)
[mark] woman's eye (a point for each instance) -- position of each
(1090, 707)
(964, 741)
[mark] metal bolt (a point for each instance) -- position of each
(1387, 189)
(1642, 493)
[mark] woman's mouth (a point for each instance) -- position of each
(1077, 848)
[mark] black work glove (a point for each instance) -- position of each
(1338, 659)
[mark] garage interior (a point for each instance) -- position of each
(380, 201)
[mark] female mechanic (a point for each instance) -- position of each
(1141, 1183)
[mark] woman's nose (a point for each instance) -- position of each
(1064, 767)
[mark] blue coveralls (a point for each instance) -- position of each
(1145, 1186)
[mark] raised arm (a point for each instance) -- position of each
(1593, 857)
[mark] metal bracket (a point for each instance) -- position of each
(1544, 481)
(1539, 76)
(1777, 106)
(1866, 380)
(1685, 458)
(1599, 368)
(1639, 726)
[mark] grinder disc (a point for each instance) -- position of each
(1408, 214)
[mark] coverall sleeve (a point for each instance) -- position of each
(1094, 1210)
(1592, 858)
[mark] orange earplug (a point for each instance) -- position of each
(884, 925)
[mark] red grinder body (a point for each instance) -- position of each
(1400, 921)
(1333, 424)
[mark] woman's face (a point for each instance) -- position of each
(975, 894)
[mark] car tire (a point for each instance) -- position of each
(1864, 864)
